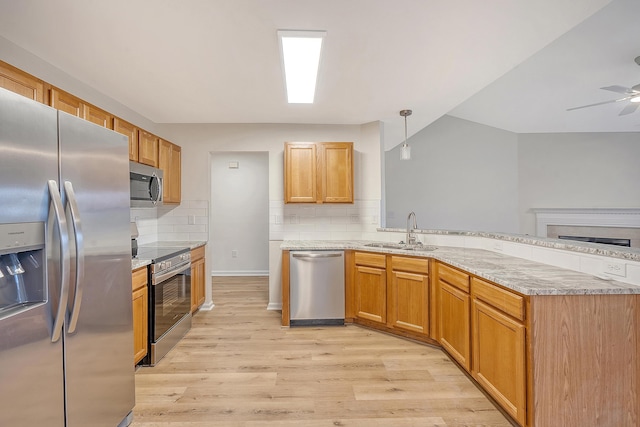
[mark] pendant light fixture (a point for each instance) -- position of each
(405, 150)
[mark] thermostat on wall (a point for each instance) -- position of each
(233, 165)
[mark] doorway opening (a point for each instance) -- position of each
(239, 215)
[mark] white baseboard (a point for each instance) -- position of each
(223, 273)
(207, 306)
(274, 306)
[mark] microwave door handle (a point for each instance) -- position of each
(61, 221)
(72, 204)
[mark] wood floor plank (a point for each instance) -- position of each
(238, 367)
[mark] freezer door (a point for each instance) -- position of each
(31, 374)
(99, 328)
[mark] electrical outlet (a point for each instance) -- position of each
(234, 253)
(354, 219)
(278, 219)
(615, 268)
(191, 219)
(293, 219)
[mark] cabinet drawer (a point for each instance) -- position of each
(454, 277)
(414, 265)
(509, 302)
(138, 278)
(372, 260)
(197, 253)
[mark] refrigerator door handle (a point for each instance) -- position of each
(58, 210)
(79, 242)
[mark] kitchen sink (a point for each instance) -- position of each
(402, 246)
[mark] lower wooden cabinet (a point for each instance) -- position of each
(499, 346)
(198, 278)
(408, 301)
(370, 282)
(140, 300)
(453, 308)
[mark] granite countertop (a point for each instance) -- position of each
(139, 262)
(631, 254)
(521, 275)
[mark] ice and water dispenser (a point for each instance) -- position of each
(22, 267)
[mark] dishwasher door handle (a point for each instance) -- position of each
(317, 255)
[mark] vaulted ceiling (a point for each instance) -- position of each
(217, 61)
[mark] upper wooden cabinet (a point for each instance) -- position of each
(300, 182)
(21, 83)
(170, 159)
(148, 148)
(63, 101)
(336, 172)
(318, 172)
(98, 116)
(131, 132)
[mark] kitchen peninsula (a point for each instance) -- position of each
(552, 346)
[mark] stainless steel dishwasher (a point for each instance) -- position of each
(316, 292)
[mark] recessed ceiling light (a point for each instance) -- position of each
(301, 57)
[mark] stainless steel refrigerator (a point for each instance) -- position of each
(66, 334)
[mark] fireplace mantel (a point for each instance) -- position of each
(588, 217)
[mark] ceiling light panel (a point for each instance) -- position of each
(300, 51)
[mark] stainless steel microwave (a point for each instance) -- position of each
(146, 185)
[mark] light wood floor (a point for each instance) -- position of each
(238, 367)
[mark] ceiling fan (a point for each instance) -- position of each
(632, 95)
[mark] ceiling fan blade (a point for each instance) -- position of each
(618, 89)
(599, 103)
(633, 106)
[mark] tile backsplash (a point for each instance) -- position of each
(190, 221)
(323, 222)
(187, 222)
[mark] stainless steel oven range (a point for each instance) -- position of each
(169, 299)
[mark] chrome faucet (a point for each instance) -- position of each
(411, 237)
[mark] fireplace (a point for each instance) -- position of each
(619, 227)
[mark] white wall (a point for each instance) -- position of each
(462, 175)
(239, 213)
(26, 61)
(198, 140)
(577, 170)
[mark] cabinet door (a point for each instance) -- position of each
(337, 172)
(20, 82)
(371, 293)
(300, 173)
(66, 102)
(131, 132)
(453, 323)
(197, 284)
(169, 160)
(499, 358)
(140, 323)
(409, 302)
(148, 149)
(98, 116)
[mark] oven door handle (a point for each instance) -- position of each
(169, 274)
